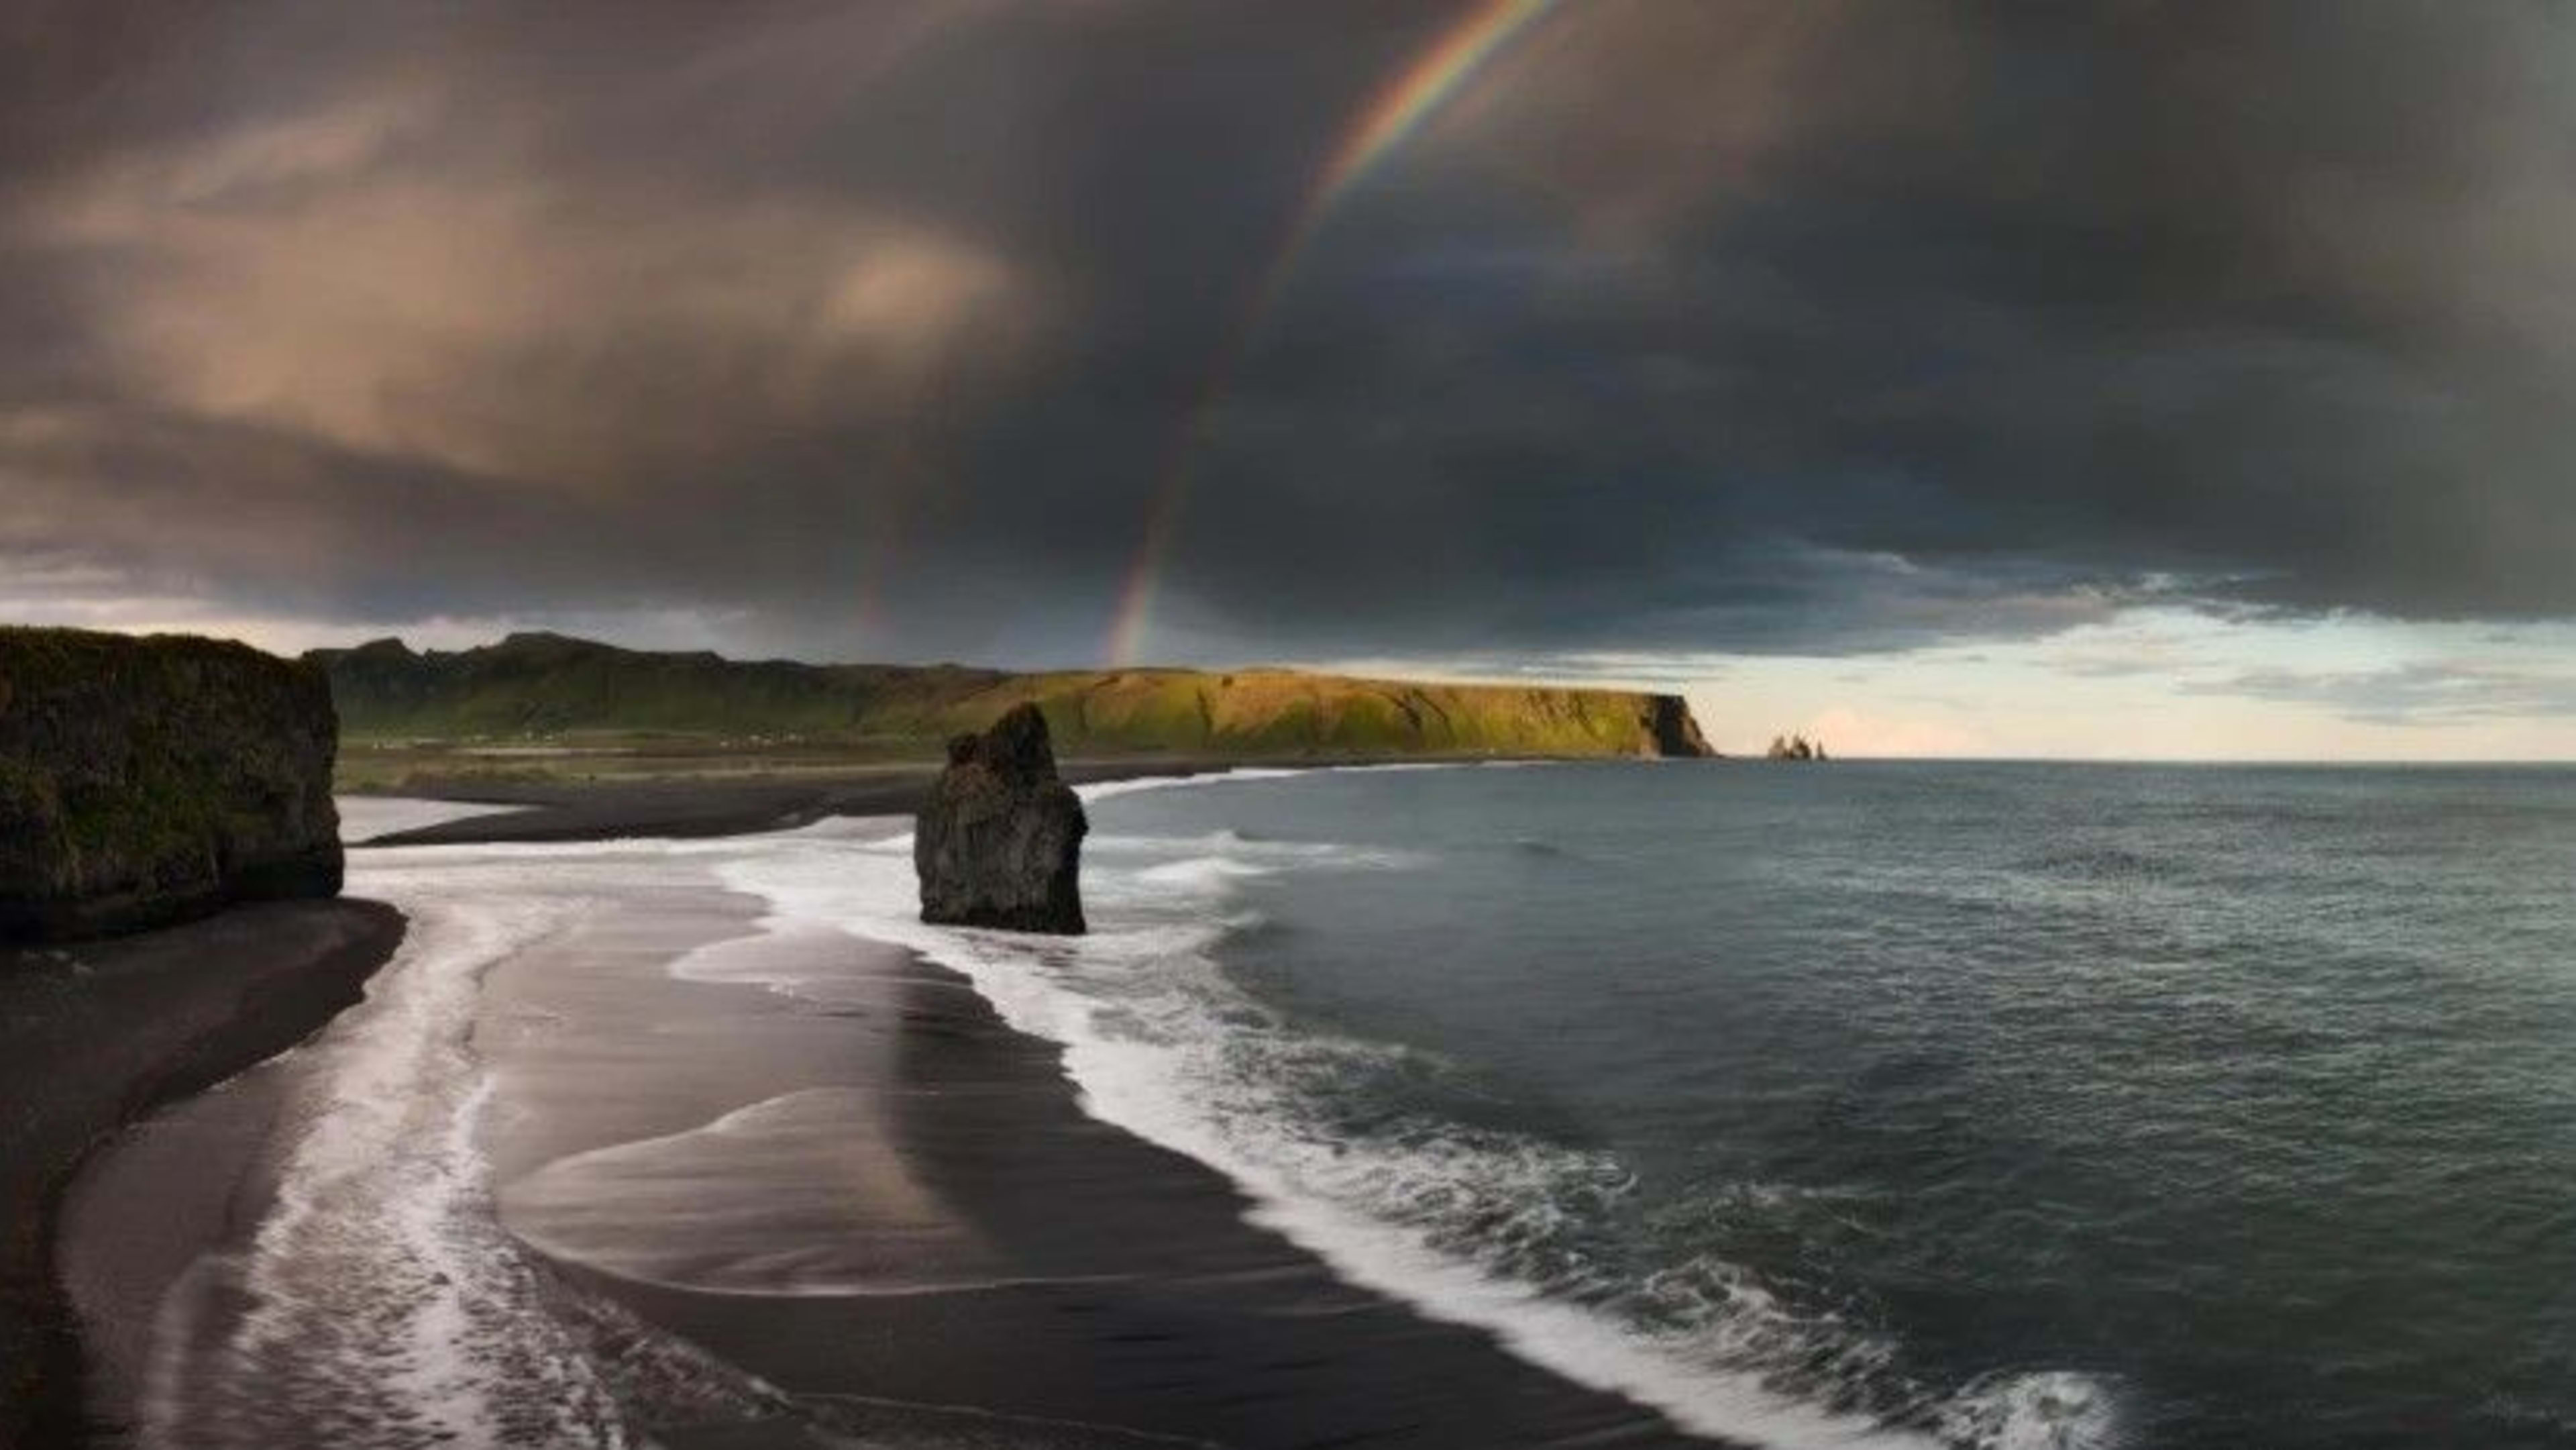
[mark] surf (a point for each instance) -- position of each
(1466, 1225)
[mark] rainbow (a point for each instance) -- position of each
(1391, 116)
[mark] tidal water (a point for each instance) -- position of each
(2002, 1104)
(1854, 1105)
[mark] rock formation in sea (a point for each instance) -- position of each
(143, 781)
(1794, 747)
(999, 841)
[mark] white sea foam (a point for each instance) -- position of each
(383, 1305)
(1160, 1044)
(1232, 775)
(2046, 1410)
(1200, 872)
(1250, 855)
(1106, 789)
(384, 1291)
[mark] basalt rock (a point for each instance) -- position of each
(999, 841)
(1794, 747)
(144, 781)
(1672, 729)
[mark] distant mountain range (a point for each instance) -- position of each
(548, 686)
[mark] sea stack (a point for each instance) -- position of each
(999, 841)
(145, 781)
(1794, 747)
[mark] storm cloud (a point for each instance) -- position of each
(877, 329)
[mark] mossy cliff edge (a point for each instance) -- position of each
(144, 781)
(540, 686)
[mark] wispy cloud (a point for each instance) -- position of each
(2420, 694)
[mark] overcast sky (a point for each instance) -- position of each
(2130, 379)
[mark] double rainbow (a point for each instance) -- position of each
(1391, 116)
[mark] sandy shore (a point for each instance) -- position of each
(1095, 1289)
(882, 1212)
(702, 807)
(92, 1037)
(697, 1154)
(1015, 1270)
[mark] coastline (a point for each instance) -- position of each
(1081, 1286)
(1057, 1280)
(702, 807)
(95, 1036)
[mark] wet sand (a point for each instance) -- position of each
(95, 1035)
(1026, 1271)
(732, 805)
(869, 1210)
(576, 810)
(1116, 1286)
(881, 1211)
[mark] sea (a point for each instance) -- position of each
(1854, 1104)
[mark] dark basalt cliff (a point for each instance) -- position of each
(143, 781)
(1672, 729)
(999, 841)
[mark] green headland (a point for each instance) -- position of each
(549, 706)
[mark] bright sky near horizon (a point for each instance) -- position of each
(2135, 381)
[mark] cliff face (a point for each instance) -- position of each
(546, 684)
(1674, 731)
(147, 780)
(999, 841)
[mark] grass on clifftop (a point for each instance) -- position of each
(542, 706)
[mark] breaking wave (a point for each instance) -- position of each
(1470, 1224)
(379, 1303)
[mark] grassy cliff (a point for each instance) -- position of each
(546, 688)
(143, 780)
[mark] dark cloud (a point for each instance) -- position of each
(1727, 326)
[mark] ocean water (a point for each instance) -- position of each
(1860, 1105)
(2009, 1105)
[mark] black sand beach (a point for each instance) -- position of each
(1022, 1274)
(583, 810)
(1086, 1287)
(92, 1037)
(728, 805)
